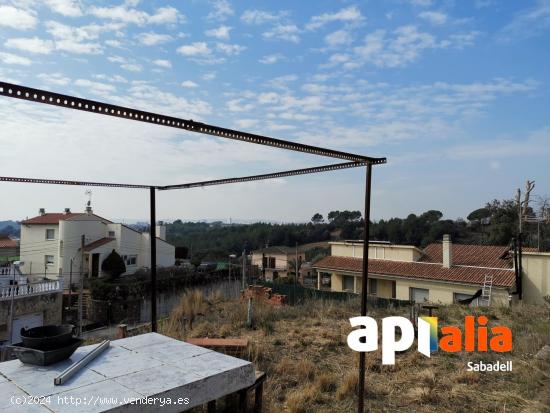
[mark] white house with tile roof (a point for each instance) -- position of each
(50, 242)
(440, 273)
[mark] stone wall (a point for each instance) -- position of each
(47, 304)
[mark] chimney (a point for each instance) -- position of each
(161, 230)
(447, 251)
(67, 211)
(89, 210)
(42, 211)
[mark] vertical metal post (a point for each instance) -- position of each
(244, 270)
(81, 286)
(519, 287)
(361, 389)
(153, 239)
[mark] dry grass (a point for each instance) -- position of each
(310, 368)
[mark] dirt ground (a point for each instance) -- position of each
(310, 368)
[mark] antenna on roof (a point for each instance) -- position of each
(88, 193)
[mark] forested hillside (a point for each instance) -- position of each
(494, 224)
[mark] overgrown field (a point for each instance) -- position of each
(311, 369)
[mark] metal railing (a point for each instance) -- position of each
(23, 290)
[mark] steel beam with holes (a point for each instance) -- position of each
(72, 102)
(294, 172)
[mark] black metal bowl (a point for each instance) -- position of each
(47, 337)
(45, 357)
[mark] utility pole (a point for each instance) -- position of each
(523, 207)
(70, 286)
(81, 289)
(244, 269)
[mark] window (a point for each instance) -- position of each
(50, 234)
(419, 295)
(373, 284)
(130, 259)
(48, 259)
(111, 234)
(271, 262)
(348, 283)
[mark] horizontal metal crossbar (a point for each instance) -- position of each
(71, 102)
(282, 174)
(294, 172)
(65, 182)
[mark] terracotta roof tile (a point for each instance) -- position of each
(8, 243)
(420, 270)
(97, 243)
(490, 256)
(49, 218)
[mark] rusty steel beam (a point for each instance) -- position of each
(102, 108)
(274, 175)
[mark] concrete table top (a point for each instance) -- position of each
(149, 372)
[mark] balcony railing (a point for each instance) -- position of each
(23, 290)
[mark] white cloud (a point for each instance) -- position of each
(77, 39)
(98, 88)
(120, 13)
(163, 63)
(55, 78)
(152, 39)
(246, 123)
(166, 15)
(268, 98)
(348, 15)
(114, 43)
(131, 67)
(338, 38)
(222, 10)
(189, 84)
(237, 105)
(68, 8)
(12, 59)
(403, 46)
(194, 49)
(271, 58)
(209, 76)
(221, 32)
(125, 14)
(529, 22)
(31, 45)
(15, 18)
(259, 17)
(287, 32)
(434, 17)
(230, 49)
(421, 3)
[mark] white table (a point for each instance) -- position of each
(145, 366)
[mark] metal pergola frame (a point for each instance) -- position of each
(102, 108)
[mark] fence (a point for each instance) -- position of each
(22, 290)
(297, 293)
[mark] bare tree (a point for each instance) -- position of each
(523, 206)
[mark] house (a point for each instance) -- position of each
(275, 262)
(536, 276)
(9, 256)
(51, 245)
(440, 273)
(28, 306)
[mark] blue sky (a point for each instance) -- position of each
(453, 93)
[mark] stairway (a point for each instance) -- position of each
(485, 298)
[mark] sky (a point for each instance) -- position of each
(454, 93)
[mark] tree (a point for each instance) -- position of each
(478, 214)
(113, 265)
(317, 218)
